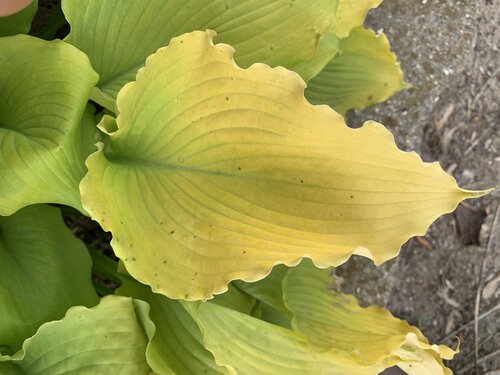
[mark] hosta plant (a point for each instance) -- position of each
(183, 128)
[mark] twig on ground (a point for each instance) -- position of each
(483, 88)
(481, 360)
(453, 333)
(480, 289)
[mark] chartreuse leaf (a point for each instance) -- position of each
(335, 322)
(118, 35)
(247, 345)
(175, 345)
(44, 88)
(221, 173)
(44, 270)
(364, 73)
(351, 14)
(106, 339)
(19, 22)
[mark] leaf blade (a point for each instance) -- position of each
(252, 176)
(46, 87)
(39, 253)
(87, 341)
(365, 73)
(110, 33)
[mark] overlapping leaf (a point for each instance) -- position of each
(106, 339)
(258, 347)
(269, 292)
(364, 73)
(220, 173)
(176, 344)
(44, 88)
(44, 270)
(118, 35)
(335, 322)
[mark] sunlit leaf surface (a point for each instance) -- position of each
(332, 321)
(351, 14)
(222, 172)
(118, 35)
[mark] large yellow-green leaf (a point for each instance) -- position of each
(351, 14)
(335, 322)
(364, 73)
(176, 345)
(246, 345)
(222, 172)
(118, 35)
(44, 88)
(18, 22)
(44, 270)
(106, 339)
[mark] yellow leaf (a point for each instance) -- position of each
(246, 346)
(218, 173)
(370, 336)
(351, 14)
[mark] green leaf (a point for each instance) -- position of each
(8, 368)
(223, 172)
(44, 270)
(20, 22)
(118, 35)
(106, 339)
(364, 73)
(268, 290)
(351, 14)
(237, 300)
(328, 47)
(335, 322)
(45, 87)
(176, 344)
